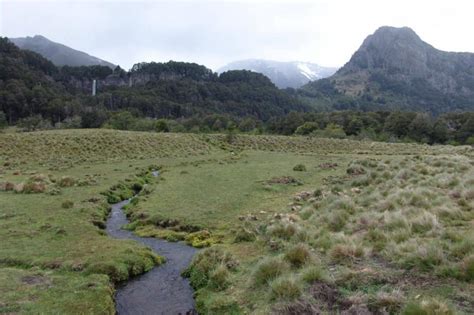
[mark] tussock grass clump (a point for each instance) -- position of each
(285, 288)
(284, 230)
(299, 168)
(337, 220)
(418, 254)
(207, 268)
(390, 302)
(244, 235)
(395, 221)
(428, 307)
(467, 268)
(298, 255)
(425, 222)
(67, 204)
(67, 181)
(268, 269)
(341, 253)
(314, 273)
(217, 303)
(219, 278)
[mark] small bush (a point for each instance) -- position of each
(298, 255)
(268, 270)
(67, 204)
(299, 168)
(285, 289)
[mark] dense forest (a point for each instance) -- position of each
(186, 97)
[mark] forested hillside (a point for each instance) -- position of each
(30, 85)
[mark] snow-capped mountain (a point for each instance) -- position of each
(283, 74)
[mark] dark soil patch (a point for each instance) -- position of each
(328, 165)
(35, 280)
(296, 308)
(329, 295)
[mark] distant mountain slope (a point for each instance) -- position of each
(31, 85)
(395, 69)
(283, 74)
(59, 54)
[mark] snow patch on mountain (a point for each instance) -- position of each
(283, 74)
(307, 72)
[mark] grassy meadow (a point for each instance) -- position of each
(287, 224)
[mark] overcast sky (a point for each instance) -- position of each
(214, 33)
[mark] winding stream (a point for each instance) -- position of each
(161, 290)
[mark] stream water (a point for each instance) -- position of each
(161, 290)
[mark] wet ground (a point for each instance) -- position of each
(161, 290)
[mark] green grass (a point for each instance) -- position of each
(214, 193)
(388, 215)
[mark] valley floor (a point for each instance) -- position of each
(287, 224)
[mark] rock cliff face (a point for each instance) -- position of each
(394, 68)
(399, 54)
(140, 76)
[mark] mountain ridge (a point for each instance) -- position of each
(59, 54)
(395, 69)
